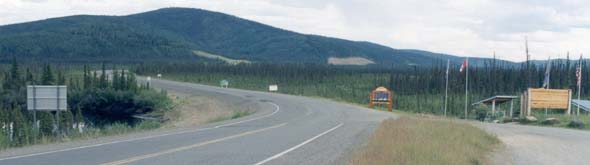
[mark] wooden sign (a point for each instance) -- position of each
(546, 99)
(381, 95)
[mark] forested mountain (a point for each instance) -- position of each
(174, 34)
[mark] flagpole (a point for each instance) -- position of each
(548, 74)
(466, 85)
(447, 87)
(579, 85)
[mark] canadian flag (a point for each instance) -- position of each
(463, 66)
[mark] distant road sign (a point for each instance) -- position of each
(273, 88)
(47, 98)
(224, 83)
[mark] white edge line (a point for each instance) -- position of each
(101, 144)
(299, 145)
(277, 109)
(142, 138)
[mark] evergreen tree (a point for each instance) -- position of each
(47, 77)
(103, 77)
(61, 79)
(21, 128)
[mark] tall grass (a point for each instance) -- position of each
(426, 141)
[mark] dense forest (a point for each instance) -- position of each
(417, 89)
(172, 34)
(98, 103)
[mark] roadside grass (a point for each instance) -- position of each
(565, 121)
(432, 140)
(235, 115)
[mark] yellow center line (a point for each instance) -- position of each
(137, 158)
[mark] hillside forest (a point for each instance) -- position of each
(417, 89)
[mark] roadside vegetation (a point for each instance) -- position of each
(418, 140)
(98, 104)
(558, 120)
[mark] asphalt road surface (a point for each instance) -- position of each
(284, 130)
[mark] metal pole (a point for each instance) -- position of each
(57, 113)
(579, 84)
(579, 93)
(466, 85)
(511, 108)
(447, 88)
(34, 115)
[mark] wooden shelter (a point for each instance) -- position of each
(381, 95)
(498, 100)
(545, 99)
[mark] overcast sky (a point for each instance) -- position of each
(459, 27)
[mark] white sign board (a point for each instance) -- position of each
(47, 98)
(273, 88)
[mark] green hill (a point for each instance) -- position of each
(174, 34)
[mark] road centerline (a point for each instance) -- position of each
(142, 157)
(299, 145)
(277, 109)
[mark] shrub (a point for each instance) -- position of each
(147, 125)
(575, 124)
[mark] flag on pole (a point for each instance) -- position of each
(579, 72)
(547, 74)
(464, 65)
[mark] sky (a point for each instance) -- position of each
(475, 28)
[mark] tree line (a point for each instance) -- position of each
(96, 99)
(418, 88)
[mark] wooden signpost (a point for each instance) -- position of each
(381, 95)
(545, 98)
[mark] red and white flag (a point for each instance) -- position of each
(464, 65)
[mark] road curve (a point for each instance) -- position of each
(285, 130)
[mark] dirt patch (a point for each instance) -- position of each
(193, 110)
(349, 61)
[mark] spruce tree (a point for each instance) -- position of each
(47, 77)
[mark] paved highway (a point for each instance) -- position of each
(284, 130)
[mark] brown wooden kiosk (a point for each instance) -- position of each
(545, 98)
(381, 95)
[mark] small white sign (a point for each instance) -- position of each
(149, 78)
(159, 75)
(273, 88)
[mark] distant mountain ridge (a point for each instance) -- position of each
(174, 34)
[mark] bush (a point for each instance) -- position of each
(576, 124)
(147, 125)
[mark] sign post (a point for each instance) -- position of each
(46, 98)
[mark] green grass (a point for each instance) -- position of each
(565, 120)
(412, 140)
(234, 115)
